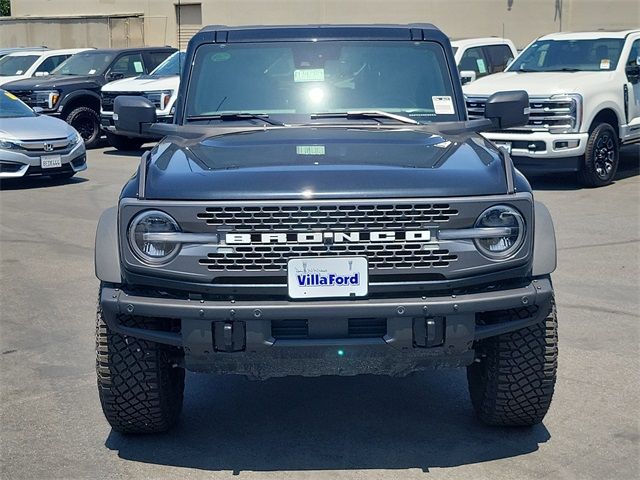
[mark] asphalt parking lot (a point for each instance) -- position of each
(363, 427)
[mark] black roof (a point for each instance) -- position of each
(257, 33)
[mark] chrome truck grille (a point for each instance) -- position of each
(334, 218)
(558, 115)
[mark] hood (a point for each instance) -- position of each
(143, 84)
(323, 162)
(10, 78)
(537, 83)
(54, 81)
(41, 127)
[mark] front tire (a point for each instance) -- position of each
(601, 157)
(120, 142)
(87, 122)
(513, 383)
(140, 390)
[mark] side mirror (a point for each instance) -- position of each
(42, 74)
(508, 109)
(133, 115)
(633, 71)
(467, 76)
(111, 76)
(37, 110)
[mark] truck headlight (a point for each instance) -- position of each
(46, 98)
(160, 99)
(146, 237)
(503, 246)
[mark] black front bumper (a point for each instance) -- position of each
(239, 336)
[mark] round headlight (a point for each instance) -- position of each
(511, 232)
(146, 237)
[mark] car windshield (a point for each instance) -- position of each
(12, 107)
(171, 66)
(85, 63)
(599, 54)
(16, 64)
(297, 81)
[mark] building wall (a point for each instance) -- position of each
(520, 20)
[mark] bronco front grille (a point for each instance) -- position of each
(309, 218)
(328, 217)
(255, 258)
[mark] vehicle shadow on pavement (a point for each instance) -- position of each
(328, 423)
(629, 167)
(126, 153)
(38, 182)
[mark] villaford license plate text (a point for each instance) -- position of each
(51, 161)
(327, 277)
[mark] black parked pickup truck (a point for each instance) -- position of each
(321, 205)
(72, 91)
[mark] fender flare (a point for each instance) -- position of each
(75, 94)
(544, 242)
(107, 256)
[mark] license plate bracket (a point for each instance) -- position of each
(51, 161)
(327, 277)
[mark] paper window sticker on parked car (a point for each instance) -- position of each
(605, 64)
(443, 105)
(309, 75)
(482, 68)
(92, 71)
(137, 66)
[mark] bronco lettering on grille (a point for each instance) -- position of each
(328, 237)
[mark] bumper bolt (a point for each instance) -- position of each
(525, 300)
(400, 310)
(257, 313)
(201, 312)
(455, 307)
(130, 308)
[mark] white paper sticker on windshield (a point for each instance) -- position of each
(605, 64)
(482, 68)
(19, 72)
(443, 105)
(137, 65)
(310, 149)
(92, 71)
(309, 75)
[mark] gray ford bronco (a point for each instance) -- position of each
(322, 205)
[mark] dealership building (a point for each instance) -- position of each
(121, 23)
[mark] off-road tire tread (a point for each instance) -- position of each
(513, 384)
(587, 175)
(95, 138)
(140, 391)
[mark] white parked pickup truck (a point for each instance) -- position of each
(584, 91)
(479, 57)
(160, 87)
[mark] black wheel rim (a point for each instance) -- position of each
(604, 155)
(85, 125)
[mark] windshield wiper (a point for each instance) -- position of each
(373, 114)
(234, 116)
(564, 69)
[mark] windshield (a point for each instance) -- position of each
(569, 55)
(291, 81)
(171, 66)
(12, 107)
(16, 65)
(85, 63)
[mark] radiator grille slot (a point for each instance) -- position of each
(289, 329)
(367, 327)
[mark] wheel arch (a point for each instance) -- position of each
(606, 115)
(81, 98)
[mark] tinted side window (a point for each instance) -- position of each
(52, 62)
(129, 65)
(153, 59)
(499, 57)
(473, 59)
(635, 52)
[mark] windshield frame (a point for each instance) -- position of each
(532, 51)
(442, 55)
